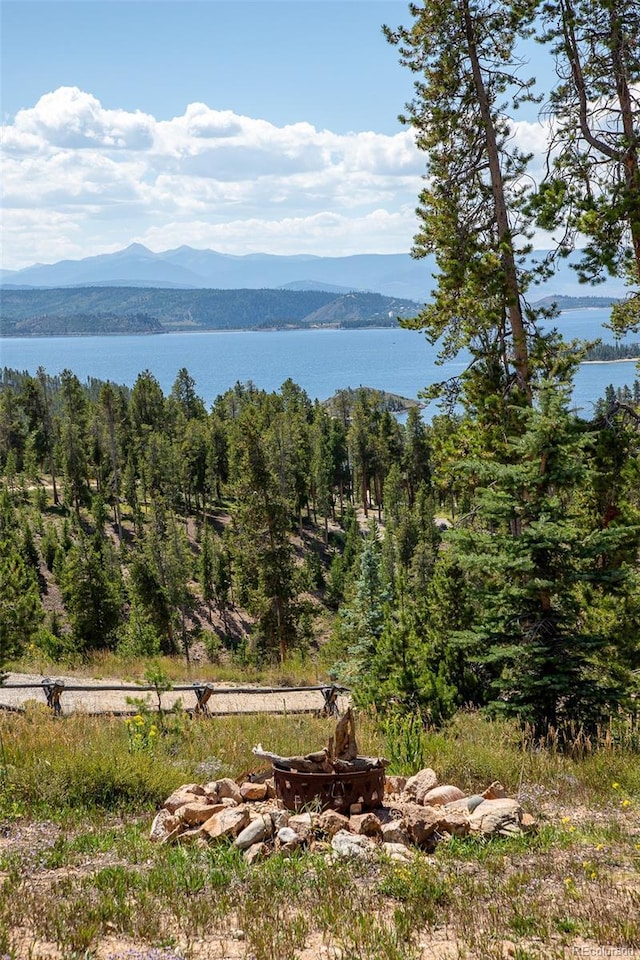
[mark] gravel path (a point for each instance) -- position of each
(102, 698)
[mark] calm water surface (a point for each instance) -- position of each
(320, 361)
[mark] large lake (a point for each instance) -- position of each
(320, 361)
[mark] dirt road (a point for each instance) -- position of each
(114, 696)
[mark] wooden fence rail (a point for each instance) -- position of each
(204, 692)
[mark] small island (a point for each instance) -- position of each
(341, 404)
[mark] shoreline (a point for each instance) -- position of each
(621, 360)
(161, 333)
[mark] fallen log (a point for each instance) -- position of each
(359, 763)
(313, 763)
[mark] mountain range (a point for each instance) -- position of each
(395, 275)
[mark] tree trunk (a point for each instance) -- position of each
(514, 305)
(630, 160)
(629, 156)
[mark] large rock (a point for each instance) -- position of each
(441, 795)
(228, 788)
(256, 832)
(394, 784)
(366, 824)
(393, 832)
(345, 844)
(419, 785)
(253, 791)
(195, 813)
(228, 822)
(420, 822)
(330, 821)
(164, 823)
(302, 823)
(454, 822)
(188, 793)
(491, 817)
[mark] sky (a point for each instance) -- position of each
(241, 126)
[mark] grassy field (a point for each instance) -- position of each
(80, 878)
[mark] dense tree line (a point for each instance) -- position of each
(613, 351)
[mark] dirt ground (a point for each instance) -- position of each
(99, 698)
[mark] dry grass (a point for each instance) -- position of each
(80, 878)
(104, 664)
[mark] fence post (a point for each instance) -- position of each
(202, 691)
(330, 708)
(53, 690)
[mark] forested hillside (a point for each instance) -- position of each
(488, 559)
(406, 557)
(46, 312)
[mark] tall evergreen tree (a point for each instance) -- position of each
(264, 556)
(528, 555)
(72, 445)
(593, 185)
(92, 590)
(472, 210)
(113, 413)
(21, 612)
(362, 617)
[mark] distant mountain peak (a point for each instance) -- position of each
(140, 248)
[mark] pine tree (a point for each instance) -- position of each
(263, 553)
(593, 185)
(92, 590)
(405, 675)
(362, 617)
(72, 442)
(21, 612)
(528, 556)
(472, 210)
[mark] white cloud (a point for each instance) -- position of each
(81, 179)
(72, 119)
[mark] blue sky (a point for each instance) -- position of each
(267, 125)
(323, 61)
